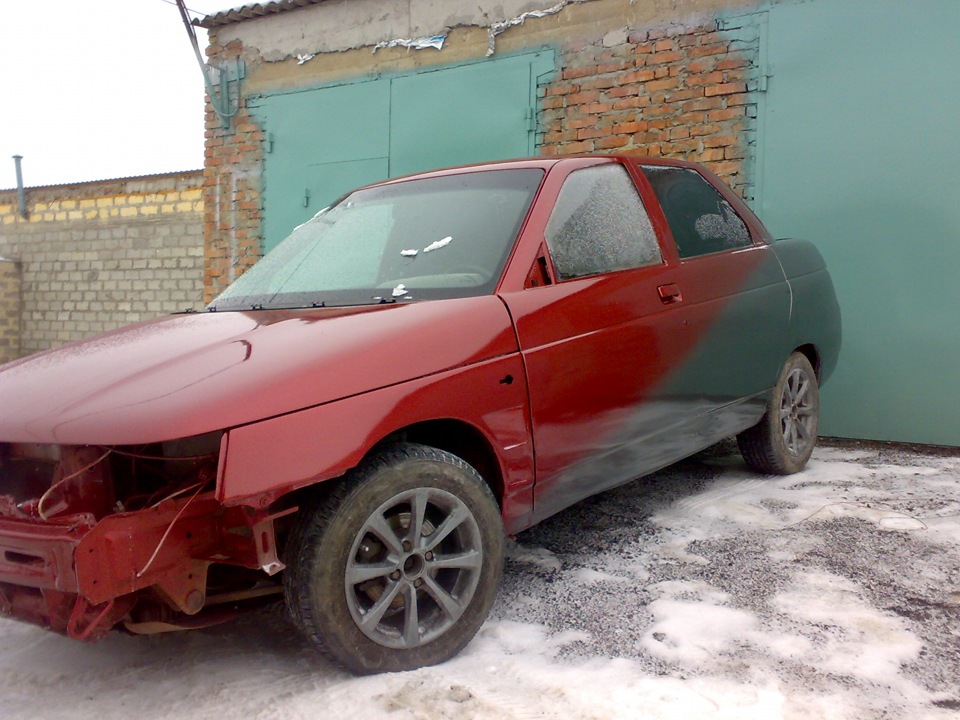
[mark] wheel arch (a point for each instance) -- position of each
(810, 351)
(457, 437)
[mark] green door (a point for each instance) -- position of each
(860, 142)
(462, 115)
(320, 144)
(326, 141)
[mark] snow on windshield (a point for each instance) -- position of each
(438, 244)
(384, 237)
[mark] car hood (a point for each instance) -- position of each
(190, 374)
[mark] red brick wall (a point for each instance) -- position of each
(232, 184)
(679, 93)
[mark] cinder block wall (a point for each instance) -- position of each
(99, 255)
(10, 308)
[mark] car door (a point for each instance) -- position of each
(600, 327)
(736, 299)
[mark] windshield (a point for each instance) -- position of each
(424, 239)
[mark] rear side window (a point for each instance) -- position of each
(702, 222)
(600, 225)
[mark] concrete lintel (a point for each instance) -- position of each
(346, 24)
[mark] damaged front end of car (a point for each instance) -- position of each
(93, 537)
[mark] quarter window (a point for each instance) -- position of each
(599, 225)
(701, 221)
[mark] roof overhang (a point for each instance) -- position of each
(249, 12)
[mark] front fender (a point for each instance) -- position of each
(270, 458)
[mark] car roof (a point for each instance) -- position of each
(542, 163)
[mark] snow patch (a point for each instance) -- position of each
(851, 636)
(591, 576)
(541, 557)
(438, 244)
(693, 625)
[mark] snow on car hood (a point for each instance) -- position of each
(185, 375)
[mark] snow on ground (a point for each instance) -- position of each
(703, 591)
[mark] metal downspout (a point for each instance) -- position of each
(219, 104)
(21, 193)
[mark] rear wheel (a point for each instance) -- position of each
(781, 443)
(397, 567)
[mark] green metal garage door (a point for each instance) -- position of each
(325, 141)
(860, 152)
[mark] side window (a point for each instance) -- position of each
(599, 225)
(702, 222)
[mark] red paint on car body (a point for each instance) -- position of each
(190, 374)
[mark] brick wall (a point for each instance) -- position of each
(10, 307)
(96, 256)
(233, 160)
(678, 92)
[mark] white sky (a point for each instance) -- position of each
(96, 89)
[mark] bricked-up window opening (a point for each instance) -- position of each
(701, 221)
(599, 225)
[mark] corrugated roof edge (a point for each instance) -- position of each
(248, 12)
(107, 180)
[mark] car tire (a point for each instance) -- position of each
(781, 443)
(397, 566)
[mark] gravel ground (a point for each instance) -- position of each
(701, 591)
(867, 525)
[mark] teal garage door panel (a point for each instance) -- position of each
(320, 144)
(860, 152)
(462, 115)
(328, 181)
(326, 141)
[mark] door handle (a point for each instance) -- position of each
(669, 293)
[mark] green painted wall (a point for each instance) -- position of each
(859, 151)
(323, 142)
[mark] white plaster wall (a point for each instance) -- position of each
(430, 17)
(339, 25)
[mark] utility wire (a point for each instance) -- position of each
(215, 100)
(195, 12)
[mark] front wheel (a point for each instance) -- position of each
(781, 443)
(397, 567)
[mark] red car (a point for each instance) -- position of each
(426, 366)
